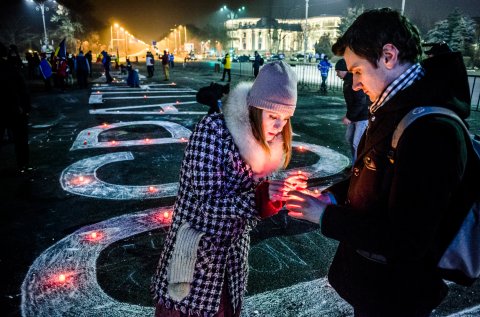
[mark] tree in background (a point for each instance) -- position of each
(68, 27)
(324, 45)
(457, 30)
(347, 19)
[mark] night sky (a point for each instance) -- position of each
(149, 19)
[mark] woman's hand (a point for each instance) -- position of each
(278, 189)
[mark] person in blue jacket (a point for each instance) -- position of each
(324, 67)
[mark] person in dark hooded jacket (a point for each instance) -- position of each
(395, 216)
(15, 108)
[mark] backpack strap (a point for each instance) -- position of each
(415, 114)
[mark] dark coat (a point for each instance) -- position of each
(402, 211)
(357, 101)
(14, 92)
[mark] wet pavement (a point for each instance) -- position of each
(82, 232)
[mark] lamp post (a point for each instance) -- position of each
(231, 14)
(305, 40)
(41, 5)
(175, 39)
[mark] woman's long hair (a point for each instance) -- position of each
(255, 115)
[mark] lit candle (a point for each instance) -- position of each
(61, 278)
(152, 189)
(165, 215)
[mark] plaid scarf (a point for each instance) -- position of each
(414, 73)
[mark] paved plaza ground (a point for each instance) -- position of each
(81, 233)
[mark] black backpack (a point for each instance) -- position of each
(209, 95)
(460, 262)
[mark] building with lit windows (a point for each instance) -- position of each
(267, 35)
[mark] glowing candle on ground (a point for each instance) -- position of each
(165, 215)
(105, 125)
(152, 189)
(62, 278)
(145, 96)
(93, 235)
(113, 142)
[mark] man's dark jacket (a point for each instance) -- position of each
(405, 211)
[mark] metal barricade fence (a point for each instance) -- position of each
(309, 79)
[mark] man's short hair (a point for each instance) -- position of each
(373, 29)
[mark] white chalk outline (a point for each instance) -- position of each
(166, 108)
(88, 138)
(91, 186)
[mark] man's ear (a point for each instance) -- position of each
(389, 56)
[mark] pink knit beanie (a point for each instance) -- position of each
(274, 89)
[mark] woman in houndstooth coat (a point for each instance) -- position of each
(223, 193)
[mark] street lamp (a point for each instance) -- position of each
(42, 7)
(305, 40)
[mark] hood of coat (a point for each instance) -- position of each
(445, 84)
(236, 115)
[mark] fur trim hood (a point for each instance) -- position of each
(237, 119)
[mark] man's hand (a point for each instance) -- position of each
(304, 206)
(346, 121)
(278, 189)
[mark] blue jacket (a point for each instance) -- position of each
(324, 66)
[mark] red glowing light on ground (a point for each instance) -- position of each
(147, 140)
(183, 140)
(166, 215)
(80, 180)
(113, 142)
(85, 142)
(94, 236)
(98, 92)
(316, 191)
(105, 125)
(173, 84)
(145, 96)
(60, 279)
(301, 148)
(152, 189)
(299, 172)
(178, 102)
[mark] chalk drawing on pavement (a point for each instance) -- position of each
(80, 178)
(88, 138)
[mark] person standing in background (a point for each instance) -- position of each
(165, 65)
(227, 66)
(15, 108)
(356, 118)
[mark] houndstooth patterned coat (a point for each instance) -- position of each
(217, 197)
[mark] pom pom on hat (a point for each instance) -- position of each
(274, 89)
